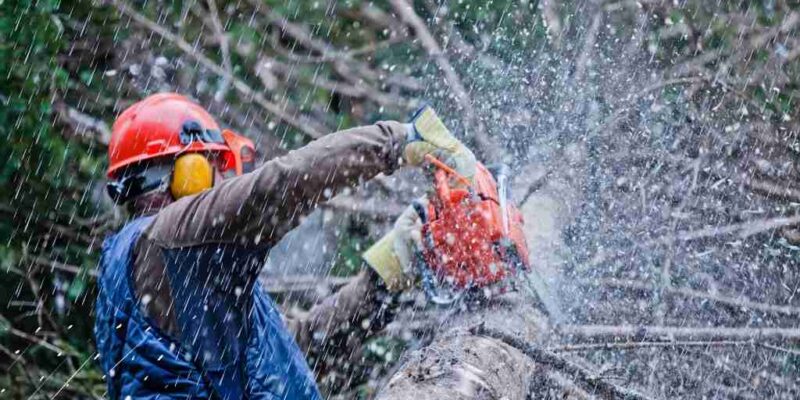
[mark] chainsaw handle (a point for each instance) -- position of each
(441, 186)
(441, 177)
(446, 168)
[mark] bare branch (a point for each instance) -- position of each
(31, 338)
(83, 124)
(624, 108)
(491, 150)
(629, 332)
(59, 266)
(304, 125)
(781, 349)
(582, 63)
(736, 302)
(297, 32)
(551, 20)
(383, 210)
(742, 230)
(224, 46)
(302, 283)
(773, 190)
(648, 345)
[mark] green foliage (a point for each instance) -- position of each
(44, 181)
(384, 350)
(352, 242)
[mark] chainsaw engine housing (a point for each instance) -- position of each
(468, 242)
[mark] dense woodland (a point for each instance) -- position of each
(654, 143)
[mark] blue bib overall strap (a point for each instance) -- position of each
(239, 352)
(233, 343)
(137, 359)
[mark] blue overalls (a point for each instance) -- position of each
(233, 343)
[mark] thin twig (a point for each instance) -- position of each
(628, 332)
(647, 345)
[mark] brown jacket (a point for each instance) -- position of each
(258, 208)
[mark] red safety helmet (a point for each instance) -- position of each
(162, 125)
(169, 125)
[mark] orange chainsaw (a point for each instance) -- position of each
(472, 237)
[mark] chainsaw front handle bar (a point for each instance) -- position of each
(449, 171)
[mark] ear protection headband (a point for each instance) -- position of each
(193, 173)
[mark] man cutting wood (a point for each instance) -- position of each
(180, 312)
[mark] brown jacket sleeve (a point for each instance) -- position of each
(333, 332)
(260, 207)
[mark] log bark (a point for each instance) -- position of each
(460, 364)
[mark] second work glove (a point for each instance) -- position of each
(392, 256)
(427, 134)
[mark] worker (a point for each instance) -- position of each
(180, 313)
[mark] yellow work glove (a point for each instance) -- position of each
(392, 256)
(428, 135)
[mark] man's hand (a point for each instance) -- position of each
(428, 135)
(393, 255)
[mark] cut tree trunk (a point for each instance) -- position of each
(459, 364)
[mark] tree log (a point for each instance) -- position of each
(459, 364)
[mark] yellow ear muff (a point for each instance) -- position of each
(191, 174)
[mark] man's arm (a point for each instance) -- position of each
(258, 208)
(333, 332)
(363, 299)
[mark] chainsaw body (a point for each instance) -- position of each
(472, 237)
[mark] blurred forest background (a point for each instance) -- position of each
(677, 121)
